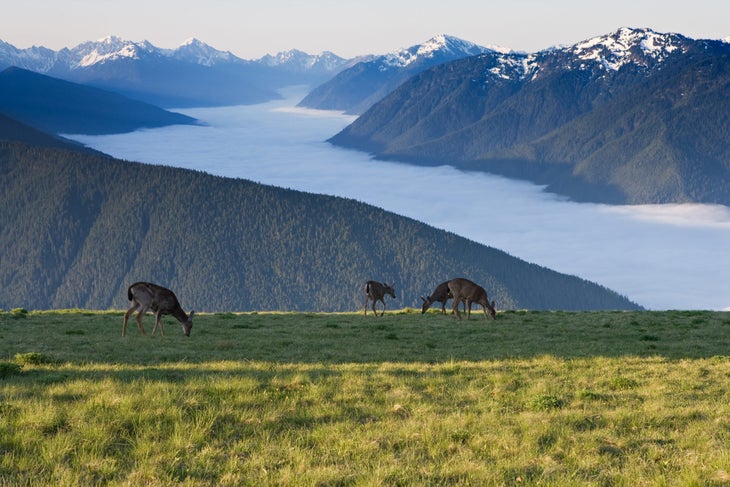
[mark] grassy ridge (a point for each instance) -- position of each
(597, 398)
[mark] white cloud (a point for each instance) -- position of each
(684, 215)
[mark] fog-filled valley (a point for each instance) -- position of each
(660, 256)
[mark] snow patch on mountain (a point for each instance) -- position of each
(639, 46)
(513, 66)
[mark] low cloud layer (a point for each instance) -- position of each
(661, 256)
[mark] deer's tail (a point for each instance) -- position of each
(129, 293)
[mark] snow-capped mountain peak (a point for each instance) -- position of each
(627, 45)
(198, 52)
(299, 61)
(292, 56)
(442, 44)
(34, 58)
(109, 48)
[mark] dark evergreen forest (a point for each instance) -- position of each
(76, 228)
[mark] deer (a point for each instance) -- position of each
(464, 289)
(376, 291)
(440, 294)
(145, 296)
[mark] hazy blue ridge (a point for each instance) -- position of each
(58, 106)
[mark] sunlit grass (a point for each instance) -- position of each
(340, 399)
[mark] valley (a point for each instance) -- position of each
(627, 248)
(660, 256)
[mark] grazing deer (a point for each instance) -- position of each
(464, 289)
(145, 296)
(440, 294)
(376, 291)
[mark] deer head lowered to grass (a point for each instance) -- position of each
(464, 289)
(147, 296)
(440, 294)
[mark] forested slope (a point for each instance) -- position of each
(633, 117)
(77, 228)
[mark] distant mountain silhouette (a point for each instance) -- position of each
(57, 106)
(194, 74)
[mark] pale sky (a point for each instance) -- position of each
(253, 28)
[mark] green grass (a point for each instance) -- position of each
(534, 398)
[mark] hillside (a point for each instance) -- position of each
(357, 88)
(58, 106)
(630, 117)
(77, 229)
(11, 129)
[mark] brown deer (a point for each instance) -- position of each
(376, 291)
(145, 296)
(464, 289)
(440, 294)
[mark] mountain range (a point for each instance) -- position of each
(355, 89)
(194, 74)
(634, 116)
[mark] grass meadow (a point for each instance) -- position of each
(533, 398)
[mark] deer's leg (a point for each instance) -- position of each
(468, 311)
(141, 311)
(375, 310)
(126, 317)
(382, 312)
(367, 301)
(455, 307)
(158, 322)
